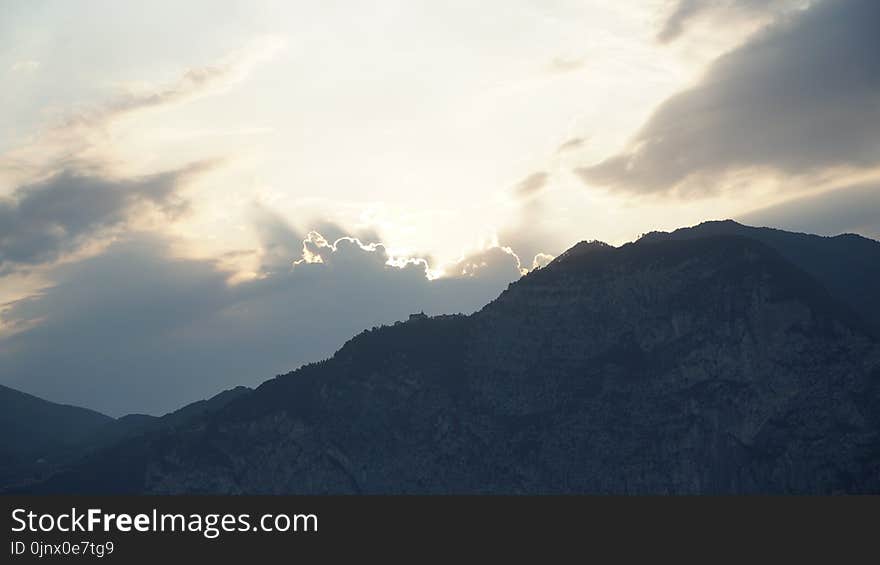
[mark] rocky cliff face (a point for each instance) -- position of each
(703, 365)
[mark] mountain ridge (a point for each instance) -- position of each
(40, 435)
(848, 265)
(688, 365)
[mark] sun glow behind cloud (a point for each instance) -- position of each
(425, 113)
(416, 121)
(410, 106)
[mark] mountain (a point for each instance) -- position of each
(133, 425)
(39, 437)
(710, 364)
(847, 265)
(34, 429)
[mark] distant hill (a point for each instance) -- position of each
(39, 436)
(34, 429)
(697, 362)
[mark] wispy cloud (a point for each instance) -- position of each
(571, 144)
(25, 66)
(562, 65)
(531, 185)
(82, 135)
(192, 83)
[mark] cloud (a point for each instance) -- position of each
(499, 263)
(194, 82)
(797, 100)
(571, 144)
(42, 221)
(533, 234)
(131, 326)
(26, 66)
(562, 65)
(684, 12)
(74, 200)
(531, 185)
(541, 260)
(82, 135)
(137, 329)
(281, 244)
(851, 209)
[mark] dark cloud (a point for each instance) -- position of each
(853, 209)
(44, 220)
(799, 98)
(136, 329)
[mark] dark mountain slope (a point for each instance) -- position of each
(133, 425)
(33, 428)
(685, 366)
(38, 436)
(847, 265)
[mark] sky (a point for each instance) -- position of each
(196, 195)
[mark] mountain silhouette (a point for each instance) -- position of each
(847, 265)
(721, 359)
(40, 437)
(35, 430)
